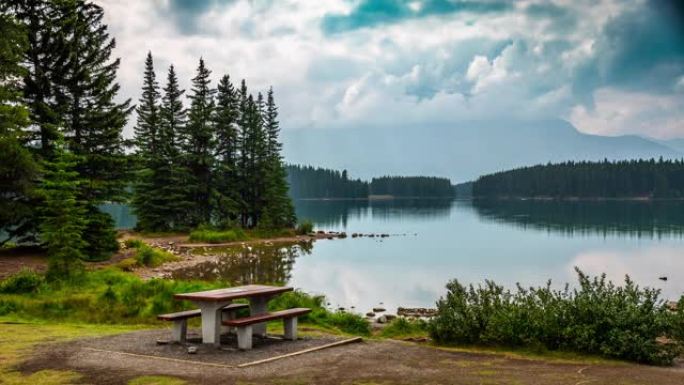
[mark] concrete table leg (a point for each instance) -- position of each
(211, 321)
(244, 335)
(258, 305)
(290, 328)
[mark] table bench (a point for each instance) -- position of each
(180, 319)
(244, 325)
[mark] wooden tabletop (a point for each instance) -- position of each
(232, 293)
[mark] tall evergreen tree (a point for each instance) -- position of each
(92, 120)
(64, 214)
(149, 203)
(278, 210)
(170, 175)
(17, 166)
(227, 198)
(147, 127)
(198, 145)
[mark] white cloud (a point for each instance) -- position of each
(618, 112)
(423, 70)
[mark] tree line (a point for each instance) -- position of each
(62, 152)
(606, 179)
(307, 182)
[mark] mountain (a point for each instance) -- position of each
(462, 151)
(676, 144)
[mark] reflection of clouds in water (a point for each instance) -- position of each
(643, 265)
(364, 287)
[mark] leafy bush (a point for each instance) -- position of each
(596, 318)
(218, 236)
(25, 281)
(133, 243)
(145, 256)
(305, 227)
(402, 327)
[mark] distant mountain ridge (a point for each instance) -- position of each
(461, 151)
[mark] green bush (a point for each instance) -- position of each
(218, 236)
(304, 227)
(402, 327)
(597, 318)
(25, 281)
(133, 243)
(152, 257)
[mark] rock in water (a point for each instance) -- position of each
(378, 309)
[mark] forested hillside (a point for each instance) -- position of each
(307, 182)
(623, 179)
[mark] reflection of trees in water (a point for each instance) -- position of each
(336, 213)
(246, 265)
(632, 218)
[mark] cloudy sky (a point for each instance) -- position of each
(608, 67)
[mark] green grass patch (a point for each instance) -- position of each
(145, 256)
(212, 235)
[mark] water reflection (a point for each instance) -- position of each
(653, 219)
(243, 265)
(338, 213)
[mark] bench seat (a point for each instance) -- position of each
(244, 325)
(180, 319)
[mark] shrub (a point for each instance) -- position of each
(304, 227)
(596, 318)
(152, 257)
(402, 327)
(133, 243)
(25, 281)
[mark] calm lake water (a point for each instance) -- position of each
(433, 241)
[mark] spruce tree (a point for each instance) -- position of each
(226, 204)
(170, 175)
(197, 143)
(149, 206)
(64, 214)
(278, 210)
(17, 166)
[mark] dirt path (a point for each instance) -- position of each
(371, 362)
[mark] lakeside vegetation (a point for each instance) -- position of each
(308, 182)
(641, 179)
(216, 164)
(598, 317)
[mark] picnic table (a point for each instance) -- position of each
(211, 303)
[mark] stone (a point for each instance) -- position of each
(382, 319)
(379, 310)
(162, 342)
(192, 349)
(370, 314)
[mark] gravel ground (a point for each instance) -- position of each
(370, 362)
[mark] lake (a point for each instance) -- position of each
(433, 241)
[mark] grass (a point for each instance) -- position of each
(17, 340)
(156, 380)
(211, 235)
(145, 256)
(401, 328)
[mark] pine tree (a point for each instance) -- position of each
(198, 147)
(169, 195)
(64, 215)
(278, 211)
(147, 127)
(42, 64)
(149, 206)
(227, 198)
(17, 166)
